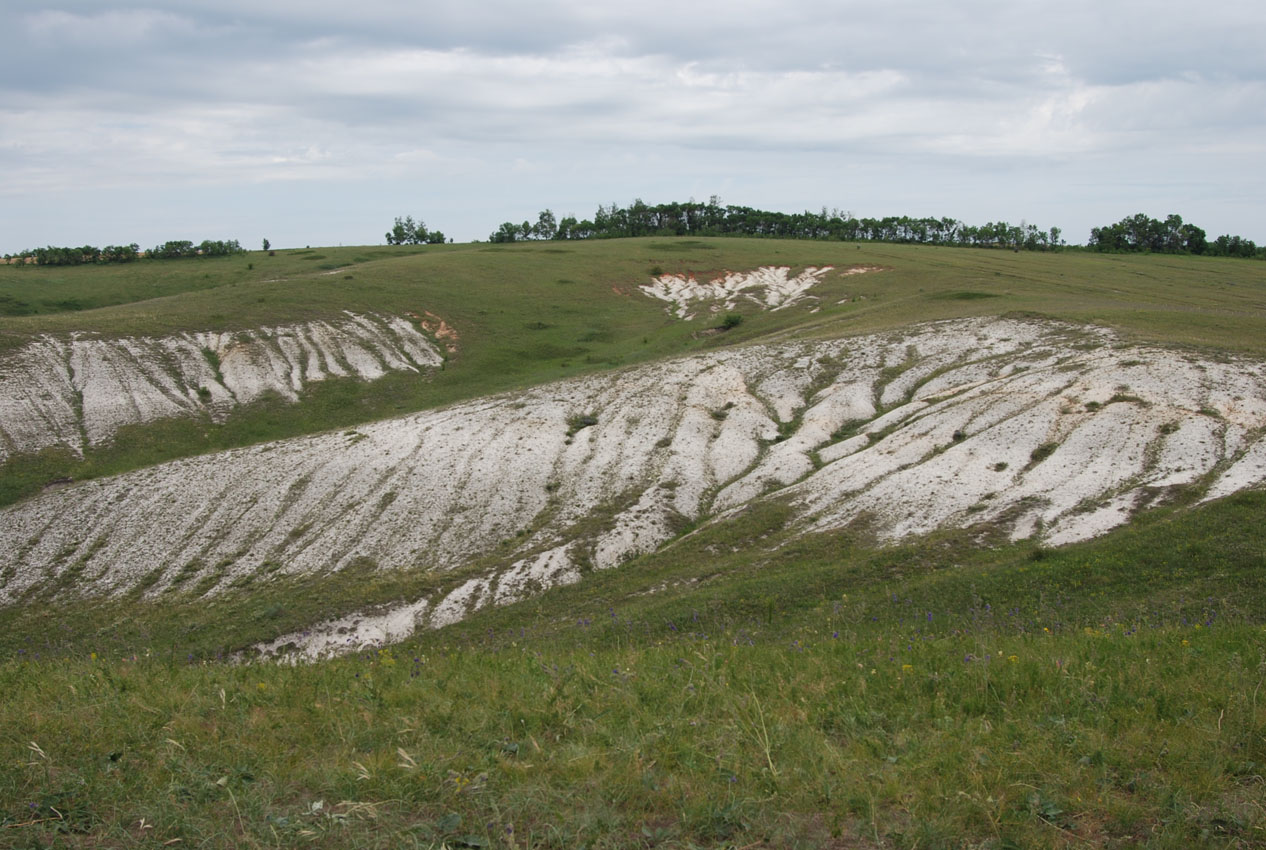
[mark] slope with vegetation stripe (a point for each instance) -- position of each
(531, 313)
(1044, 427)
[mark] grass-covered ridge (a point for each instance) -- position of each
(491, 290)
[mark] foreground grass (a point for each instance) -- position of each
(815, 694)
(1035, 740)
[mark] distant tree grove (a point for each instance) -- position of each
(89, 254)
(1137, 233)
(694, 218)
(406, 231)
(1140, 234)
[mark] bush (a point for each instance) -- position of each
(576, 423)
(1041, 453)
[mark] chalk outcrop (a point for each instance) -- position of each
(769, 288)
(1043, 430)
(78, 392)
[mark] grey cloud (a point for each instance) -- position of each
(243, 92)
(989, 40)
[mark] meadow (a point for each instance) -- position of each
(746, 686)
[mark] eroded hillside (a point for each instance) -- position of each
(1047, 430)
(78, 392)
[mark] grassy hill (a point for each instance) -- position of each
(774, 690)
(531, 313)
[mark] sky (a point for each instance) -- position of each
(318, 123)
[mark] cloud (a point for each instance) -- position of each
(111, 28)
(241, 93)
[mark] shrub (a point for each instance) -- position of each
(576, 423)
(1042, 452)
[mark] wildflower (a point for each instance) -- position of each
(906, 668)
(1013, 658)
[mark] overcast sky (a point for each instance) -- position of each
(318, 122)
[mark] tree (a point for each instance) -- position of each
(267, 245)
(1194, 239)
(401, 232)
(406, 231)
(546, 226)
(507, 232)
(1171, 236)
(172, 250)
(567, 228)
(120, 253)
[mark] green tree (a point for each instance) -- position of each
(507, 232)
(546, 226)
(406, 231)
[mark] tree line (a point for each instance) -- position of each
(406, 231)
(694, 218)
(90, 254)
(1140, 234)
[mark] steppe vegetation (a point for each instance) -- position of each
(747, 685)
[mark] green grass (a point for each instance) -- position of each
(1037, 742)
(779, 690)
(490, 290)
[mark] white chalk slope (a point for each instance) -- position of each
(770, 288)
(79, 392)
(937, 426)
